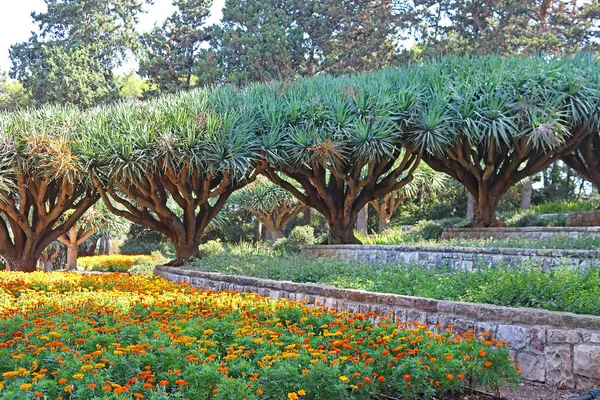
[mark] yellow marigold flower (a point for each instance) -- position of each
(208, 332)
(26, 386)
(344, 378)
(78, 376)
(301, 392)
(293, 396)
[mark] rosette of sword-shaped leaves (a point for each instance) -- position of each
(42, 177)
(193, 150)
(270, 204)
(489, 122)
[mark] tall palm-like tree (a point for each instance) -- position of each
(270, 204)
(426, 181)
(339, 140)
(491, 122)
(171, 164)
(42, 177)
(96, 219)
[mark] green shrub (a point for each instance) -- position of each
(142, 240)
(431, 230)
(562, 206)
(211, 248)
(280, 244)
(389, 236)
(301, 236)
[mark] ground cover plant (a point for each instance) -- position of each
(112, 336)
(563, 288)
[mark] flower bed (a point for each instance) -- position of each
(79, 336)
(118, 262)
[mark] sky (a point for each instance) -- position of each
(16, 24)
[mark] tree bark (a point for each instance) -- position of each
(340, 233)
(276, 234)
(183, 254)
(259, 226)
(470, 206)
(107, 244)
(307, 216)
(26, 264)
(485, 214)
(363, 220)
(526, 194)
(384, 222)
(72, 252)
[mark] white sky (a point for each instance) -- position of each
(16, 23)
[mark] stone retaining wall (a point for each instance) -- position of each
(583, 218)
(558, 349)
(455, 257)
(532, 232)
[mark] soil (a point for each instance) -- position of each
(526, 391)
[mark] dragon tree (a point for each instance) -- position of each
(42, 178)
(490, 122)
(172, 163)
(585, 159)
(426, 181)
(270, 204)
(340, 140)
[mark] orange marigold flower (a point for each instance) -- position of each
(138, 395)
(381, 378)
(449, 376)
(62, 381)
(106, 388)
(91, 386)
(38, 395)
(406, 377)
(260, 391)
(487, 363)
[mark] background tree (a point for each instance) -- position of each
(493, 130)
(352, 35)
(42, 177)
(272, 205)
(12, 94)
(80, 42)
(96, 219)
(192, 150)
(261, 40)
(173, 50)
(500, 26)
(426, 181)
(48, 256)
(586, 159)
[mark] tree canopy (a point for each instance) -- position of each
(335, 143)
(43, 176)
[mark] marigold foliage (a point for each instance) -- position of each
(109, 336)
